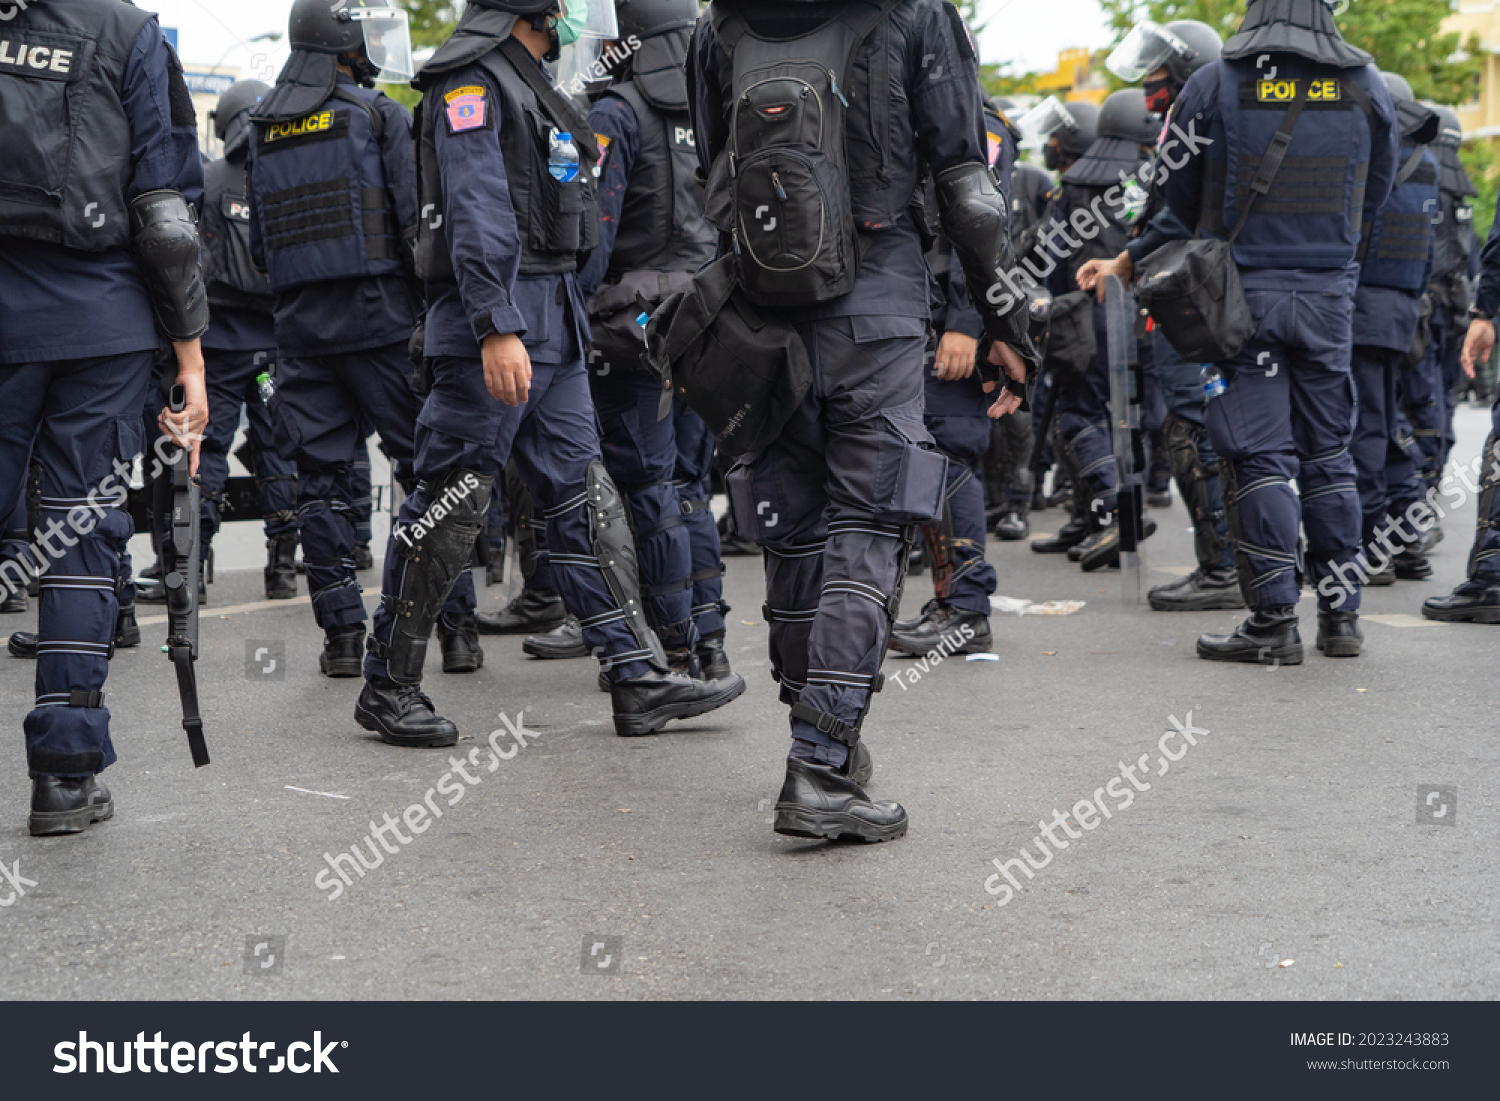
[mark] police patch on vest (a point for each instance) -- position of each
(1284, 91)
(235, 208)
(326, 125)
(996, 147)
(45, 62)
(683, 136)
(466, 108)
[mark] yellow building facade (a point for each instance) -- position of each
(1481, 116)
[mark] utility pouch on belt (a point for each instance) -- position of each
(744, 372)
(1192, 288)
(1071, 341)
(615, 312)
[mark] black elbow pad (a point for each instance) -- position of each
(976, 222)
(164, 234)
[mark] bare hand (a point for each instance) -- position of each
(1478, 344)
(185, 429)
(507, 368)
(1005, 357)
(955, 356)
(1091, 276)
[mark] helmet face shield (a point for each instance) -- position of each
(591, 18)
(387, 42)
(1044, 120)
(581, 67)
(1145, 49)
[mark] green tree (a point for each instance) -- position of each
(1403, 36)
(1482, 162)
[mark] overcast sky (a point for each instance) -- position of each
(1028, 32)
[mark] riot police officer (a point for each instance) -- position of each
(1477, 599)
(1395, 255)
(1126, 128)
(956, 413)
(96, 189)
(333, 194)
(1455, 265)
(833, 497)
(651, 227)
(240, 347)
(505, 163)
(1287, 407)
(1163, 59)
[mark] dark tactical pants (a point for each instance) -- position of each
(1182, 393)
(695, 467)
(1288, 411)
(964, 437)
(1083, 421)
(1427, 408)
(1387, 475)
(640, 453)
(833, 501)
(553, 437)
(230, 378)
(321, 410)
(1484, 560)
(84, 415)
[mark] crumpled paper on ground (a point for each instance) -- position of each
(1016, 606)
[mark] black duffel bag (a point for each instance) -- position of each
(743, 371)
(1192, 288)
(618, 338)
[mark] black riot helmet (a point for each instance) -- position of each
(648, 18)
(1398, 86)
(1451, 134)
(1181, 47)
(375, 31)
(1125, 117)
(241, 96)
(1203, 41)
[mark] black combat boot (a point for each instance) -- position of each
(943, 630)
(1412, 565)
(459, 637)
(1471, 602)
(821, 801)
(281, 571)
(60, 805)
(564, 642)
(1072, 533)
(1339, 635)
(532, 611)
(646, 704)
(22, 644)
(1013, 526)
(14, 603)
(711, 657)
(1201, 591)
(343, 651)
(1103, 548)
(402, 715)
(127, 631)
(1268, 637)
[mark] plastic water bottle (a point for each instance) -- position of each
(266, 387)
(562, 157)
(1213, 382)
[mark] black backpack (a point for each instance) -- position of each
(793, 225)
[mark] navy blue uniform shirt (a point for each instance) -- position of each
(614, 121)
(58, 303)
(489, 295)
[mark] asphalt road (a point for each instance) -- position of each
(1281, 857)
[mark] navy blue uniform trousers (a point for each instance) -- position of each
(84, 416)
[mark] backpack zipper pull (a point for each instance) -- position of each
(776, 180)
(834, 78)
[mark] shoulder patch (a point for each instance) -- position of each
(466, 108)
(961, 34)
(603, 141)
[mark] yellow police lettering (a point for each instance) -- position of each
(313, 124)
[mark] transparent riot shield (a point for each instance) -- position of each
(1125, 420)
